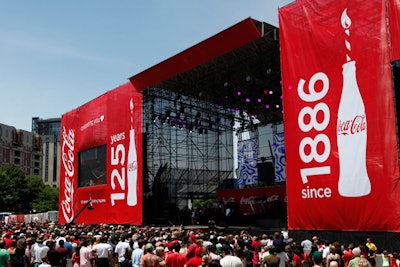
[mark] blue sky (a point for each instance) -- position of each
(57, 55)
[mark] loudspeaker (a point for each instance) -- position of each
(266, 173)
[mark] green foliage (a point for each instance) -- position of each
(21, 194)
(203, 203)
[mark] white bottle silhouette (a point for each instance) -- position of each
(351, 129)
(132, 165)
(352, 137)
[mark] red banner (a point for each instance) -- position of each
(394, 20)
(341, 141)
(101, 160)
(253, 200)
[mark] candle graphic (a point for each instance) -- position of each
(351, 128)
(132, 163)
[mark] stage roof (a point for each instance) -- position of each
(238, 68)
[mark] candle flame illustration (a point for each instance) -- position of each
(345, 19)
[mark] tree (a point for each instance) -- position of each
(14, 189)
(46, 200)
(21, 194)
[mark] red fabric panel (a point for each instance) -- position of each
(250, 200)
(106, 120)
(319, 41)
(217, 45)
(394, 20)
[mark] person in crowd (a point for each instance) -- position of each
(75, 258)
(85, 254)
(54, 257)
(325, 251)
(38, 251)
(5, 259)
(370, 245)
(176, 259)
(192, 246)
(103, 252)
(393, 259)
(120, 250)
(371, 257)
(19, 258)
(317, 258)
(271, 259)
(63, 251)
(333, 256)
(363, 262)
(160, 253)
(385, 259)
(306, 244)
(44, 262)
(357, 254)
(7, 239)
(228, 259)
(137, 253)
(149, 259)
(213, 253)
(197, 260)
(279, 246)
(348, 254)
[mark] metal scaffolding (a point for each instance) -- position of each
(188, 148)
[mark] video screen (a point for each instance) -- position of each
(92, 167)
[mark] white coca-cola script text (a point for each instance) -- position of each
(67, 157)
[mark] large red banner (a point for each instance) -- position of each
(101, 160)
(340, 129)
(394, 20)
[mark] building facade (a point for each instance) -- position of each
(21, 148)
(49, 132)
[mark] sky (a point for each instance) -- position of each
(58, 55)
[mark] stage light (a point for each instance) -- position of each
(248, 100)
(271, 92)
(259, 100)
(277, 106)
(267, 106)
(239, 93)
(265, 91)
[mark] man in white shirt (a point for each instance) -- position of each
(228, 260)
(104, 252)
(121, 249)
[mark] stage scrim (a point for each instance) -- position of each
(101, 160)
(340, 130)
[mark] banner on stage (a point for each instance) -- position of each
(101, 160)
(339, 118)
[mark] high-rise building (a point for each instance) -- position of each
(21, 148)
(49, 132)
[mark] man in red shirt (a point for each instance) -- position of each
(192, 247)
(348, 254)
(175, 259)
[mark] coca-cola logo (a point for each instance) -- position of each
(353, 126)
(132, 166)
(68, 157)
(257, 200)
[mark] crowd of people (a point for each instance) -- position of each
(103, 245)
